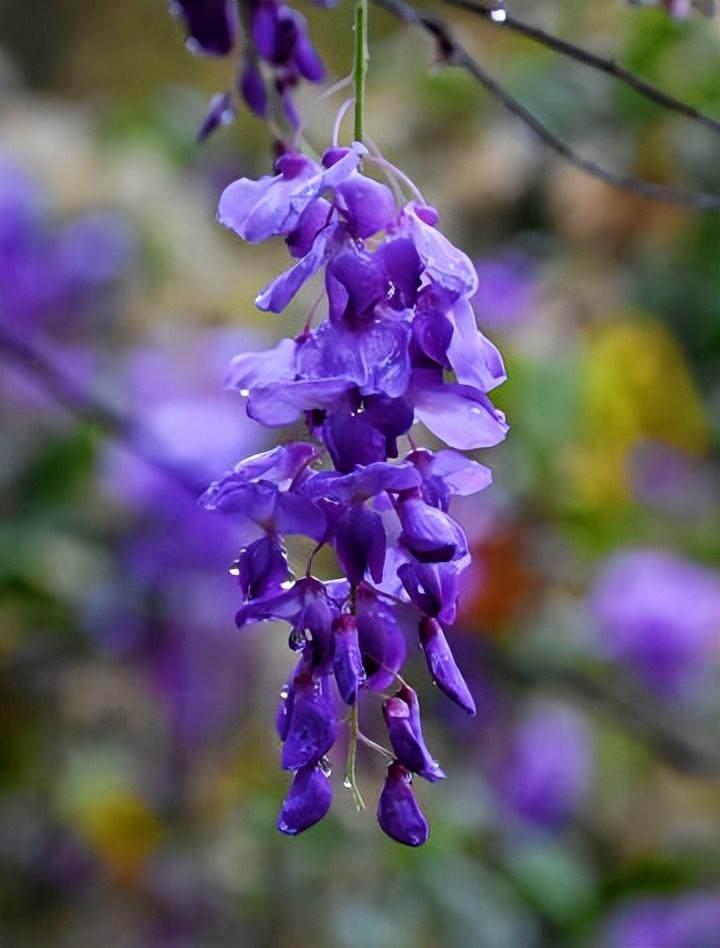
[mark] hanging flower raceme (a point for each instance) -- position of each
(275, 51)
(399, 345)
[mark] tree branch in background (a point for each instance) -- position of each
(628, 707)
(87, 408)
(608, 66)
(451, 51)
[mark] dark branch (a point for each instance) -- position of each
(453, 52)
(87, 408)
(608, 66)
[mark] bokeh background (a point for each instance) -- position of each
(139, 776)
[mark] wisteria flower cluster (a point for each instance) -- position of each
(276, 50)
(399, 344)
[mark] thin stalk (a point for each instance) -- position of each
(360, 64)
(350, 775)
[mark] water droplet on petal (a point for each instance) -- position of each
(347, 783)
(234, 568)
(244, 392)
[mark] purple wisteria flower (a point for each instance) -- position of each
(275, 52)
(546, 768)
(399, 346)
(690, 920)
(658, 613)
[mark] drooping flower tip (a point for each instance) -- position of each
(398, 812)
(307, 802)
(442, 666)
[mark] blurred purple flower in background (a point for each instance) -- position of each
(506, 295)
(659, 614)
(54, 276)
(546, 768)
(691, 920)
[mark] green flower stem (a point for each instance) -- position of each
(350, 776)
(360, 64)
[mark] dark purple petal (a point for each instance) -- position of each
(351, 440)
(280, 291)
(211, 24)
(403, 266)
(252, 89)
(307, 802)
(289, 606)
(221, 111)
(363, 483)
(284, 710)
(263, 568)
(360, 544)
(312, 728)
(355, 284)
(305, 56)
(430, 534)
(264, 27)
(313, 219)
(461, 416)
(347, 664)
(407, 741)
(433, 588)
(382, 643)
(368, 205)
(296, 514)
(442, 666)
(398, 812)
(375, 357)
(432, 334)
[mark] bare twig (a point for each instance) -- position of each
(608, 66)
(453, 52)
(87, 408)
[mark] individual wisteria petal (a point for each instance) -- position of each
(279, 466)
(312, 220)
(403, 266)
(280, 291)
(406, 737)
(460, 415)
(252, 88)
(398, 812)
(430, 534)
(355, 284)
(351, 440)
(312, 729)
(256, 210)
(442, 666)
(289, 606)
(433, 588)
(294, 515)
(363, 483)
(347, 663)
(263, 568)
(307, 802)
(360, 543)
(473, 358)
(448, 272)
(253, 369)
(374, 357)
(221, 111)
(368, 205)
(283, 403)
(211, 24)
(381, 641)
(461, 475)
